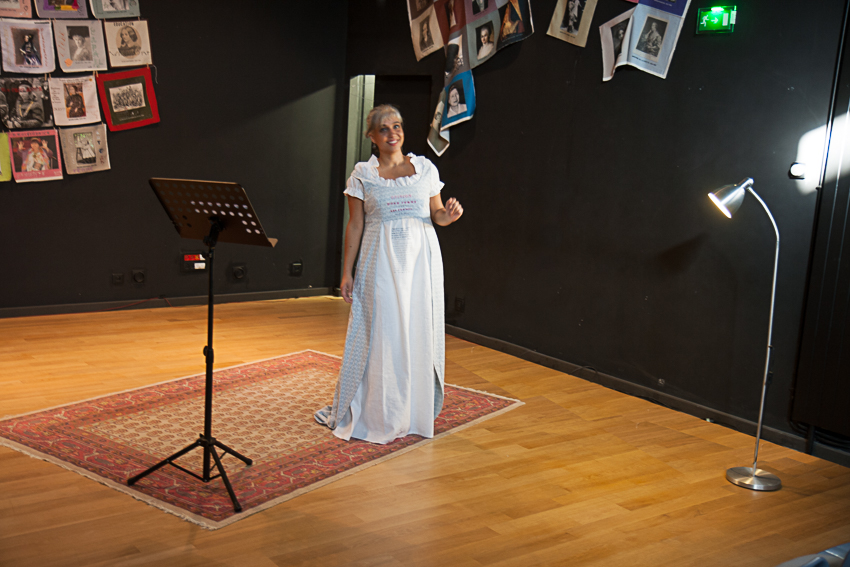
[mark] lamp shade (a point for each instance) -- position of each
(729, 198)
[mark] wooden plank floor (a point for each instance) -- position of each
(580, 475)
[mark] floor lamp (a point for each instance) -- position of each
(728, 199)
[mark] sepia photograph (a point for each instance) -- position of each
(128, 43)
(80, 46)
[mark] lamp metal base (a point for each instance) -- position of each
(754, 480)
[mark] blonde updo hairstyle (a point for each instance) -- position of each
(378, 114)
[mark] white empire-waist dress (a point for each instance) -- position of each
(392, 376)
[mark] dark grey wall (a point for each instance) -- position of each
(587, 234)
(251, 94)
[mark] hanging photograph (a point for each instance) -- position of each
(108, 9)
(61, 9)
(128, 99)
(15, 9)
(425, 34)
(655, 31)
(35, 155)
(451, 15)
(416, 8)
(482, 36)
(80, 46)
(438, 140)
(457, 58)
(127, 43)
(5, 164)
(615, 42)
(515, 22)
(25, 103)
(74, 100)
(571, 21)
(27, 46)
(476, 9)
(85, 149)
(460, 100)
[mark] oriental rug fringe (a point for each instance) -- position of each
(263, 410)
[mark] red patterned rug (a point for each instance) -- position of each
(263, 410)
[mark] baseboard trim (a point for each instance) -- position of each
(62, 309)
(773, 435)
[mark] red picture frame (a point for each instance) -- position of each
(128, 99)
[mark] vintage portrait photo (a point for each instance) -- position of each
(128, 43)
(61, 8)
(27, 46)
(615, 43)
(651, 38)
(437, 140)
(15, 9)
(571, 21)
(457, 60)
(128, 99)
(482, 36)
(516, 24)
(24, 103)
(460, 100)
(80, 45)
(416, 8)
(85, 149)
(108, 9)
(35, 155)
(74, 100)
(425, 33)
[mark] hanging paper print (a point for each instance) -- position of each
(128, 43)
(74, 100)
(438, 140)
(15, 9)
(35, 155)
(85, 149)
(61, 8)
(25, 103)
(5, 163)
(478, 9)
(80, 46)
(516, 22)
(482, 36)
(460, 100)
(615, 42)
(27, 46)
(108, 9)
(451, 15)
(457, 57)
(128, 99)
(416, 8)
(425, 33)
(571, 21)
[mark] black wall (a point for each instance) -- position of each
(247, 93)
(587, 234)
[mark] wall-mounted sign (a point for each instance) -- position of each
(717, 19)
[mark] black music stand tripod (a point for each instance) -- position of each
(225, 209)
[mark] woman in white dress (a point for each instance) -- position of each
(392, 376)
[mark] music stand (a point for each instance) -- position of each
(223, 209)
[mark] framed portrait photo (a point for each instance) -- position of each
(128, 99)
(27, 46)
(61, 9)
(108, 9)
(128, 43)
(15, 9)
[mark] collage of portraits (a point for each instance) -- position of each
(36, 97)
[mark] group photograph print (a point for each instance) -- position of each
(15, 9)
(127, 43)
(25, 103)
(84, 149)
(74, 100)
(35, 155)
(571, 21)
(128, 99)
(112, 9)
(61, 9)
(27, 46)
(80, 46)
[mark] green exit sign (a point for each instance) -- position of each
(716, 19)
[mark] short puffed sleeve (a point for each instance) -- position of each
(354, 185)
(434, 183)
